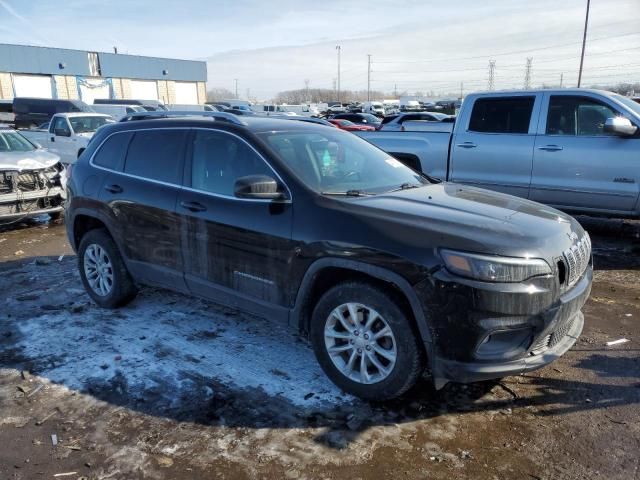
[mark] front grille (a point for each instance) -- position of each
(577, 259)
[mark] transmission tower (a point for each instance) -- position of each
(492, 74)
(527, 74)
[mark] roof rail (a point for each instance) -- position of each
(222, 116)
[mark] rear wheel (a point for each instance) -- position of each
(103, 272)
(364, 342)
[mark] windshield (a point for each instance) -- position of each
(630, 104)
(11, 141)
(88, 124)
(340, 162)
(370, 118)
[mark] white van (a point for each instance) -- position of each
(271, 109)
(374, 108)
(191, 108)
(306, 110)
(117, 111)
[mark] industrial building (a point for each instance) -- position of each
(28, 71)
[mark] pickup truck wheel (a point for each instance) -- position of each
(103, 272)
(364, 342)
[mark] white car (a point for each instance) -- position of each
(32, 180)
(398, 122)
(68, 133)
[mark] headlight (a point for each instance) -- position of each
(493, 268)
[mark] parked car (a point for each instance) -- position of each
(68, 133)
(192, 108)
(396, 122)
(30, 112)
(6, 112)
(410, 106)
(374, 108)
(574, 149)
(387, 272)
(336, 108)
(32, 180)
(118, 111)
(359, 118)
(350, 126)
(149, 105)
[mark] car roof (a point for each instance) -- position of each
(83, 114)
(253, 124)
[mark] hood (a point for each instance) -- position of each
(467, 218)
(32, 160)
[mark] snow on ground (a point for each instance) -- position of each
(169, 339)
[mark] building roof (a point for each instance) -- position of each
(61, 61)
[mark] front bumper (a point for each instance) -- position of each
(486, 331)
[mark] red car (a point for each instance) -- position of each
(350, 126)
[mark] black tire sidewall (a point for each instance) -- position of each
(123, 288)
(409, 360)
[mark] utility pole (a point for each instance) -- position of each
(527, 74)
(461, 90)
(368, 77)
(492, 74)
(561, 75)
(395, 90)
(236, 80)
(338, 48)
(306, 88)
(584, 41)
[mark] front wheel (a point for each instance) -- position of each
(103, 272)
(364, 342)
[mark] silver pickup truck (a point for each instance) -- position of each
(575, 149)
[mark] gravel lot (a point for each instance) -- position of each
(174, 387)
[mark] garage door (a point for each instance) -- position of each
(144, 90)
(39, 86)
(90, 89)
(186, 93)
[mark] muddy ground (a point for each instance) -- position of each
(176, 388)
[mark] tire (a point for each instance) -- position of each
(98, 244)
(56, 215)
(397, 376)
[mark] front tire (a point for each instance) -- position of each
(103, 272)
(365, 342)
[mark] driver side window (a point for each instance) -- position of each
(577, 116)
(60, 124)
(219, 159)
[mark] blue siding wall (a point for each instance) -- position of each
(43, 60)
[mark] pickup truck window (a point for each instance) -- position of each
(112, 151)
(571, 115)
(60, 123)
(501, 115)
(219, 159)
(88, 124)
(156, 155)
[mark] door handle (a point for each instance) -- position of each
(53, 139)
(113, 188)
(550, 148)
(193, 206)
(466, 145)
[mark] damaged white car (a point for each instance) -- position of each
(32, 180)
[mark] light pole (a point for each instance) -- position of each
(236, 80)
(584, 41)
(338, 48)
(369, 78)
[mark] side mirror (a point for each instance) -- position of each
(62, 132)
(620, 126)
(260, 187)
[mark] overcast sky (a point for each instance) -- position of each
(416, 45)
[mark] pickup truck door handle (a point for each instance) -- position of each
(113, 188)
(466, 145)
(53, 139)
(193, 206)
(550, 148)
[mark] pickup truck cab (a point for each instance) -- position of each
(68, 133)
(574, 149)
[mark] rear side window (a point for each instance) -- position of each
(157, 155)
(502, 115)
(112, 152)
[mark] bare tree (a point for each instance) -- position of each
(219, 93)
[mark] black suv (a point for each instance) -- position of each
(359, 118)
(388, 272)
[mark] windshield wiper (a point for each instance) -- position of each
(406, 186)
(350, 193)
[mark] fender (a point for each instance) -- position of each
(93, 213)
(296, 314)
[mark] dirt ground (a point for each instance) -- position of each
(176, 388)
